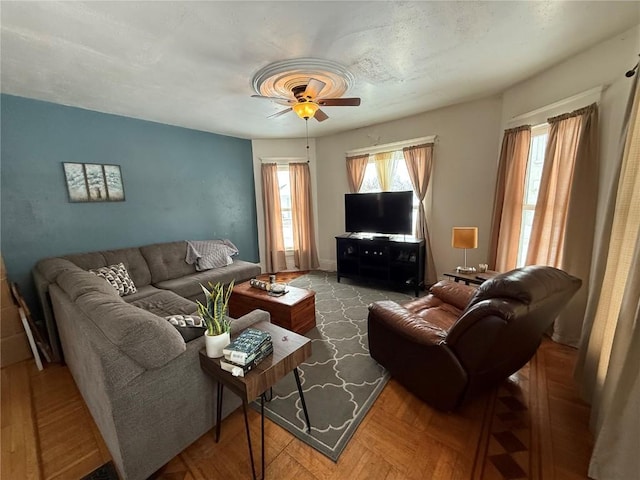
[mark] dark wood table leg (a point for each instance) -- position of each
(219, 410)
(262, 431)
(304, 405)
(246, 424)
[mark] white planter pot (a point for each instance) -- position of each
(215, 344)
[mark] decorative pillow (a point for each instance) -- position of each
(118, 277)
(189, 326)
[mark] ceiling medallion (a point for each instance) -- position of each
(278, 79)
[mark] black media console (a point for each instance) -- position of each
(396, 261)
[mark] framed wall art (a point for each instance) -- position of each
(93, 182)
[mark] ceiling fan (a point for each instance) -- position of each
(305, 101)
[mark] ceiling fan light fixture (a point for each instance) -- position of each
(305, 110)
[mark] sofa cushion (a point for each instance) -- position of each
(189, 285)
(165, 303)
(88, 261)
(144, 337)
(166, 261)
(78, 282)
(118, 277)
(50, 268)
(133, 261)
(142, 292)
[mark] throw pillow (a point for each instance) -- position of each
(118, 277)
(189, 326)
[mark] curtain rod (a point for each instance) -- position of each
(283, 160)
(389, 147)
(593, 92)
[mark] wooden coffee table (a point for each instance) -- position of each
(295, 310)
(289, 351)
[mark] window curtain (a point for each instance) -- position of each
(274, 241)
(356, 167)
(386, 169)
(608, 367)
(419, 160)
(564, 221)
(506, 221)
(304, 240)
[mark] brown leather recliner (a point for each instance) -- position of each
(458, 339)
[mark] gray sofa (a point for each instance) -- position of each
(140, 380)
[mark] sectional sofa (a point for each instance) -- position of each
(140, 379)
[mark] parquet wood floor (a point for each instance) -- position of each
(534, 426)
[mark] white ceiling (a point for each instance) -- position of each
(191, 63)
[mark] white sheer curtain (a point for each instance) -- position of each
(609, 358)
(386, 168)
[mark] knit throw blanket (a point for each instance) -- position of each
(207, 254)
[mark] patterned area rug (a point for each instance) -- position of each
(340, 380)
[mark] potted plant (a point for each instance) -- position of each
(214, 314)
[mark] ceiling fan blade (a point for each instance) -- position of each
(279, 100)
(314, 87)
(281, 112)
(320, 116)
(339, 102)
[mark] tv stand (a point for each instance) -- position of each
(394, 261)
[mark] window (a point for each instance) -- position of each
(285, 206)
(400, 182)
(539, 136)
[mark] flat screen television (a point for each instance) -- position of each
(383, 212)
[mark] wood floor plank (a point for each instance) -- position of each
(400, 438)
(19, 451)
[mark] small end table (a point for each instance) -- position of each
(474, 278)
(289, 351)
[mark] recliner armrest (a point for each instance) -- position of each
(405, 323)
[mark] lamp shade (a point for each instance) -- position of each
(464, 237)
(305, 109)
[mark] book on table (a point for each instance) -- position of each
(240, 370)
(244, 348)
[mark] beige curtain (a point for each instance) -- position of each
(580, 227)
(609, 358)
(356, 167)
(304, 240)
(419, 160)
(546, 245)
(386, 169)
(566, 209)
(508, 199)
(274, 241)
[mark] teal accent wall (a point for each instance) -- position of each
(179, 184)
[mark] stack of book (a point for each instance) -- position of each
(246, 351)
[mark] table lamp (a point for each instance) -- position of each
(464, 237)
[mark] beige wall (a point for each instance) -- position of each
(465, 157)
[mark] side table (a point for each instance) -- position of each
(289, 351)
(474, 278)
